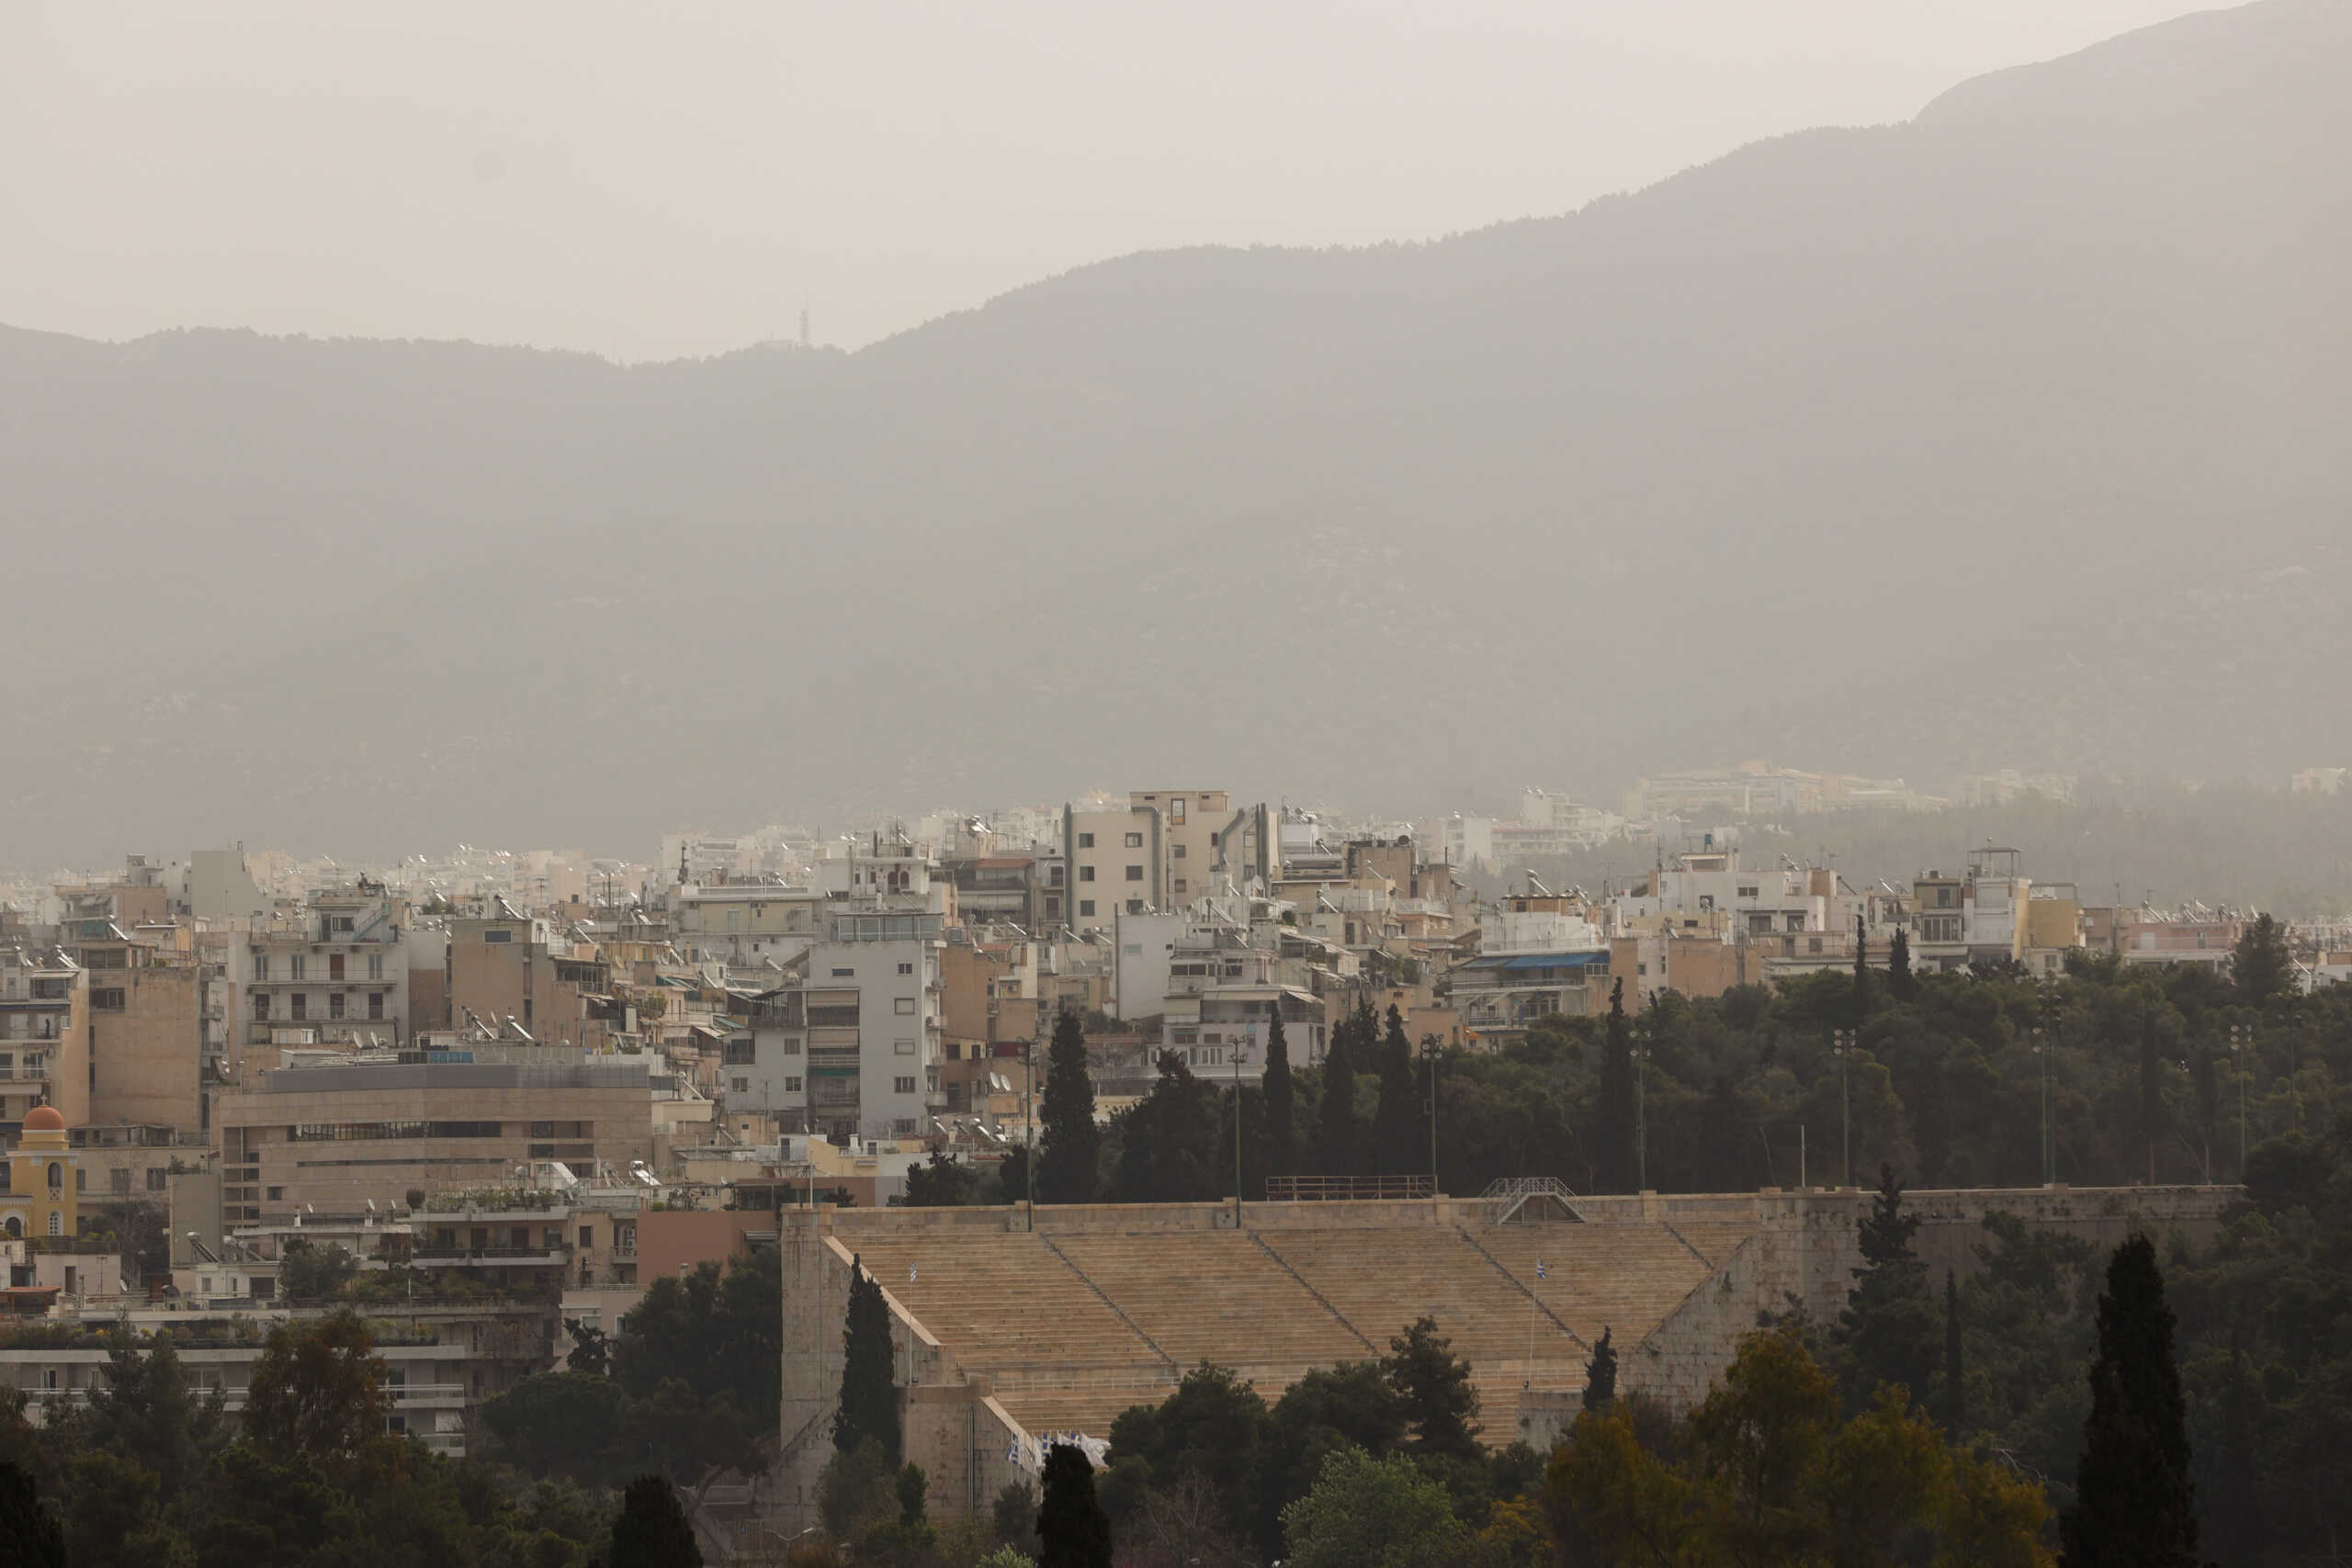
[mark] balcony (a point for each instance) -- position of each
(489, 1257)
(428, 1396)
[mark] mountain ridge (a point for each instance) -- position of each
(1693, 472)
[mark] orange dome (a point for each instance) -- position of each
(44, 1119)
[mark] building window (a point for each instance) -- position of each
(261, 966)
(335, 965)
(741, 1050)
(845, 974)
(335, 1004)
(905, 968)
(1086, 874)
(1135, 841)
(277, 1194)
(1086, 841)
(902, 1006)
(902, 1086)
(108, 1000)
(1134, 905)
(296, 966)
(903, 1047)
(1176, 808)
(740, 1085)
(587, 1237)
(374, 966)
(498, 936)
(1053, 908)
(1135, 874)
(1177, 852)
(1085, 907)
(792, 1086)
(118, 1179)
(301, 1006)
(261, 1005)
(158, 1179)
(376, 1004)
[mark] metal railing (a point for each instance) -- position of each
(1348, 1188)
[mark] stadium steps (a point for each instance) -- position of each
(1625, 1279)
(998, 1300)
(1214, 1296)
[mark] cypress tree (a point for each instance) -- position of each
(1955, 1367)
(1887, 1332)
(652, 1531)
(869, 1407)
(1338, 1137)
(2134, 1505)
(1613, 1134)
(1861, 970)
(1600, 1374)
(1394, 1146)
(1071, 1143)
(1281, 1155)
(2236, 1513)
(2261, 964)
(1072, 1529)
(1898, 967)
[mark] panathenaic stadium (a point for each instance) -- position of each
(1006, 1334)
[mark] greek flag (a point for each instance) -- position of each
(1542, 1272)
(910, 1273)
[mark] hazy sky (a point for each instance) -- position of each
(654, 179)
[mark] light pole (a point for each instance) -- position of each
(1029, 1116)
(1641, 1118)
(1841, 1042)
(2241, 1043)
(1240, 1054)
(1429, 1054)
(2041, 1060)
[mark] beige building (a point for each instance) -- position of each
(43, 1194)
(44, 1034)
(332, 970)
(342, 1133)
(509, 967)
(1191, 823)
(146, 1037)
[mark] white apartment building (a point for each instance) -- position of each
(1115, 859)
(850, 1048)
(332, 970)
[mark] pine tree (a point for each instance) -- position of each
(1394, 1148)
(1898, 967)
(1440, 1400)
(1600, 1374)
(1072, 1529)
(1281, 1153)
(2261, 964)
(1955, 1361)
(869, 1407)
(2133, 1502)
(2237, 1514)
(652, 1531)
(29, 1534)
(1613, 1134)
(1072, 1144)
(1338, 1138)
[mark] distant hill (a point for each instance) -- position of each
(2010, 436)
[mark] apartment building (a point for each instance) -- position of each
(342, 1130)
(147, 1063)
(744, 926)
(1192, 826)
(1117, 859)
(44, 1034)
(332, 970)
(1980, 914)
(506, 966)
(851, 1046)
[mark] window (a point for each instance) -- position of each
(905, 968)
(740, 1085)
(1180, 887)
(1176, 808)
(792, 1086)
(1706, 902)
(301, 1006)
(903, 1047)
(1053, 908)
(277, 1194)
(1086, 841)
(261, 1005)
(158, 1179)
(902, 1086)
(1134, 905)
(374, 966)
(497, 936)
(374, 1004)
(1085, 907)
(1178, 852)
(1135, 841)
(588, 1235)
(108, 1000)
(1086, 874)
(1748, 891)
(335, 1004)
(343, 922)
(1213, 840)
(118, 1179)
(1135, 874)
(335, 965)
(296, 965)
(261, 966)
(902, 1006)
(1796, 922)
(850, 974)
